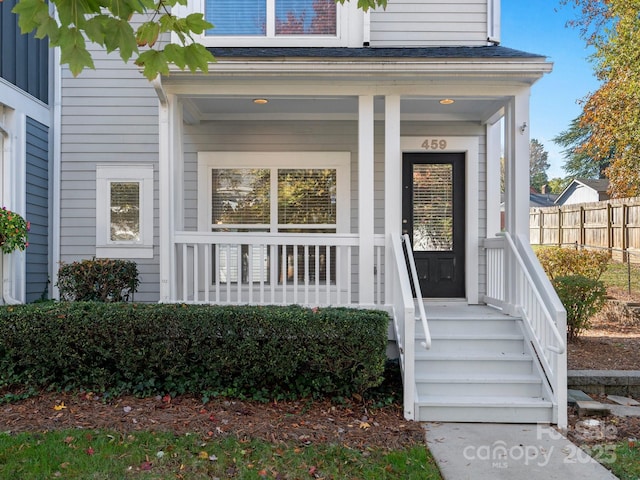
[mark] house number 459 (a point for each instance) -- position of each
(434, 144)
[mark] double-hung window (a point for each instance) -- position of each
(279, 23)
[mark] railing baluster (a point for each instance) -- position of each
(306, 274)
(185, 274)
(327, 277)
(284, 274)
(317, 274)
(207, 272)
(216, 271)
(239, 274)
(263, 270)
(228, 277)
(295, 274)
(196, 273)
(339, 255)
(250, 274)
(348, 302)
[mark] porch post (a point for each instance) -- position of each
(493, 179)
(365, 200)
(165, 198)
(516, 185)
(392, 185)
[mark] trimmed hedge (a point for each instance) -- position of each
(242, 351)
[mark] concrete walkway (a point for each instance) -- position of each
(482, 451)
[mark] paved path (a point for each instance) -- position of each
(482, 451)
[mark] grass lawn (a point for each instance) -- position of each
(627, 461)
(617, 275)
(97, 454)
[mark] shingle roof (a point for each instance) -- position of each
(598, 184)
(488, 52)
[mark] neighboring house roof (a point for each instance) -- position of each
(599, 186)
(490, 52)
(542, 199)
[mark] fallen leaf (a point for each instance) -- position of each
(68, 440)
(126, 409)
(64, 465)
(166, 398)
(364, 425)
(59, 407)
(262, 473)
(90, 451)
(204, 455)
(312, 471)
(146, 466)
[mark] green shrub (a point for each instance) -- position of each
(582, 298)
(102, 280)
(242, 351)
(562, 262)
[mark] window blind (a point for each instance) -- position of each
(305, 17)
(307, 196)
(125, 211)
(236, 17)
(240, 196)
(433, 207)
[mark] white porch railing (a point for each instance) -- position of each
(404, 321)
(273, 268)
(418, 291)
(517, 284)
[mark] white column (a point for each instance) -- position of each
(517, 165)
(365, 199)
(392, 185)
(165, 219)
(493, 178)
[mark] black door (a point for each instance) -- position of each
(433, 214)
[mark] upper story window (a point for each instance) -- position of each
(279, 23)
(269, 18)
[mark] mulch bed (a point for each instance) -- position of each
(352, 424)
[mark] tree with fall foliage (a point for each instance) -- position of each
(612, 113)
(109, 24)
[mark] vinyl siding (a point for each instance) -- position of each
(24, 60)
(109, 115)
(37, 190)
(407, 23)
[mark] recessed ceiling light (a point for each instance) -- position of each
(447, 101)
(260, 101)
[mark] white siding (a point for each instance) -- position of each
(109, 115)
(407, 23)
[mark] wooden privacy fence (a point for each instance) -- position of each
(611, 224)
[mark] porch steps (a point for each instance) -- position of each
(479, 369)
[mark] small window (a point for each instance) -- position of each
(124, 211)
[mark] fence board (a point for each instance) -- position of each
(611, 224)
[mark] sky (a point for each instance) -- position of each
(538, 26)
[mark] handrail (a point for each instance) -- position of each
(416, 285)
(560, 349)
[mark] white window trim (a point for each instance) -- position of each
(105, 247)
(350, 24)
(339, 160)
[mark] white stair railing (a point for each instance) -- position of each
(517, 284)
(416, 286)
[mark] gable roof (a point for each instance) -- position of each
(598, 185)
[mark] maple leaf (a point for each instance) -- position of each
(59, 407)
(90, 451)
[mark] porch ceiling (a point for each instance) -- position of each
(204, 108)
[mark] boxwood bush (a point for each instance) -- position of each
(255, 352)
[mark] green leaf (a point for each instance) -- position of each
(73, 12)
(123, 9)
(175, 54)
(147, 34)
(154, 63)
(95, 29)
(120, 37)
(73, 50)
(48, 28)
(197, 57)
(196, 23)
(31, 13)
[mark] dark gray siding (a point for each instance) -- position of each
(24, 60)
(37, 209)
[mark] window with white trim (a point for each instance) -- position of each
(278, 23)
(124, 211)
(290, 192)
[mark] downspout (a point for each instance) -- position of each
(7, 298)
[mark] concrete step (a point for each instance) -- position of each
(479, 385)
(484, 326)
(498, 409)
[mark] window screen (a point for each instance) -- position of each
(125, 211)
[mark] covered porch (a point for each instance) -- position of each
(357, 125)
